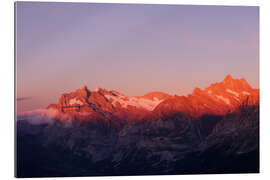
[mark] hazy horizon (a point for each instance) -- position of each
(131, 48)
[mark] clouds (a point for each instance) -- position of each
(43, 116)
(49, 116)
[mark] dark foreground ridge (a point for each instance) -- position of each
(174, 144)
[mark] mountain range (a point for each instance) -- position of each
(217, 99)
(104, 132)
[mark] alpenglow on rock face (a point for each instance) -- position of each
(219, 98)
(104, 103)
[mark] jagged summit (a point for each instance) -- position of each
(228, 78)
(197, 91)
(156, 94)
(84, 87)
(237, 84)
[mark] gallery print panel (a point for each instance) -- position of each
(136, 89)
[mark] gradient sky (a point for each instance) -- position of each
(133, 49)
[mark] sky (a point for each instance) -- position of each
(130, 48)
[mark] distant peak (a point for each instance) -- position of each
(197, 90)
(83, 87)
(102, 91)
(156, 94)
(243, 80)
(99, 89)
(83, 91)
(228, 78)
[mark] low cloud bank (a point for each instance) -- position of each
(43, 116)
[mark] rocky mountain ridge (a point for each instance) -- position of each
(218, 99)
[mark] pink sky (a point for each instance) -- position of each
(133, 49)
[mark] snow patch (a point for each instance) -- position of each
(236, 98)
(134, 101)
(232, 92)
(206, 105)
(245, 93)
(227, 101)
(43, 116)
(75, 101)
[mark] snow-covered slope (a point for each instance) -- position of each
(139, 102)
